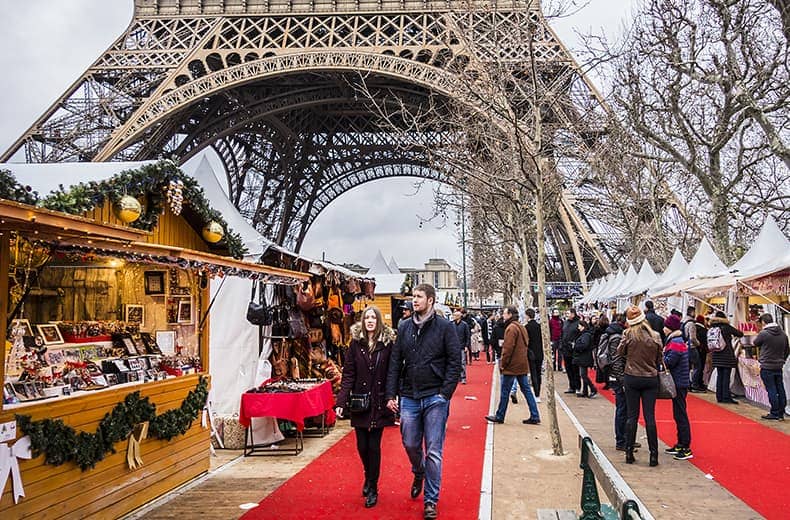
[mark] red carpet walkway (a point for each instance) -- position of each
(331, 485)
(749, 459)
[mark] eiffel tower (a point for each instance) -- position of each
(264, 83)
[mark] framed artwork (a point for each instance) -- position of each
(130, 346)
(154, 282)
(25, 324)
(166, 339)
(50, 333)
(184, 311)
(133, 313)
(150, 344)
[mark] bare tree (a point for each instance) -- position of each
(705, 84)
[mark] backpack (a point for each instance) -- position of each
(716, 341)
(603, 358)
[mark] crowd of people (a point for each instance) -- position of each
(415, 371)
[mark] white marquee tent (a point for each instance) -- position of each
(705, 265)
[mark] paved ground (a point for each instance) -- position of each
(526, 475)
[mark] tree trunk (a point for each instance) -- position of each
(526, 272)
(551, 404)
(721, 225)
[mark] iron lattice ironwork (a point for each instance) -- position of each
(266, 84)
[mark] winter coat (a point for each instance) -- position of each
(570, 330)
(773, 347)
(642, 354)
(725, 358)
(676, 359)
(477, 338)
(656, 323)
(463, 332)
(702, 337)
(497, 332)
(515, 359)
(425, 361)
(365, 371)
(611, 340)
(583, 349)
(689, 332)
(485, 327)
(555, 327)
(535, 340)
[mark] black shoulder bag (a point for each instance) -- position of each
(258, 313)
(358, 403)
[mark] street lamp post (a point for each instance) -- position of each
(463, 247)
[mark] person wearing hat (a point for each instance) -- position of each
(407, 308)
(642, 349)
(676, 360)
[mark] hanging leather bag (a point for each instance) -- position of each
(666, 384)
(296, 324)
(258, 312)
(304, 297)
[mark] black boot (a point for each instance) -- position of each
(373, 496)
(629, 455)
(366, 488)
(652, 443)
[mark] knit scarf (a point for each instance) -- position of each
(420, 322)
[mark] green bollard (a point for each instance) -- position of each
(590, 503)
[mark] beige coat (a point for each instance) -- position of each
(515, 359)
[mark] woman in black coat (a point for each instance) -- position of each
(583, 359)
(365, 373)
(724, 360)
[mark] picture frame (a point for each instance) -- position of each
(50, 334)
(154, 282)
(166, 340)
(149, 343)
(24, 323)
(134, 313)
(184, 315)
(130, 346)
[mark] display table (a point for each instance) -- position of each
(753, 385)
(291, 406)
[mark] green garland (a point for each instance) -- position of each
(61, 443)
(10, 189)
(148, 181)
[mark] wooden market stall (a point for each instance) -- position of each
(123, 314)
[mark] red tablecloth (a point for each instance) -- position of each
(293, 406)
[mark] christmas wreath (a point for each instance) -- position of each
(60, 443)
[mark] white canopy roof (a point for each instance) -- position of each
(593, 287)
(677, 266)
(611, 288)
(393, 265)
(644, 280)
(628, 282)
(379, 265)
(599, 290)
(769, 253)
(389, 283)
(705, 265)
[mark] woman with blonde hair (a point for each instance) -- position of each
(362, 393)
(642, 349)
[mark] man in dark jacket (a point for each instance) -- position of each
(465, 339)
(724, 361)
(773, 354)
(570, 330)
(610, 341)
(656, 322)
(485, 329)
(424, 370)
(535, 353)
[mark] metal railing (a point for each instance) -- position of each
(590, 502)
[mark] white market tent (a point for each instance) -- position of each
(705, 265)
(379, 265)
(598, 289)
(612, 287)
(675, 270)
(644, 280)
(591, 293)
(389, 283)
(628, 282)
(769, 253)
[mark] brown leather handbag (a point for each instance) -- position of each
(304, 297)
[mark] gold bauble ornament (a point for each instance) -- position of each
(128, 209)
(213, 232)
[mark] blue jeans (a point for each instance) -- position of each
(772, 379)
(424, 421)
(620, 413)
(463, 365)
(504, 396)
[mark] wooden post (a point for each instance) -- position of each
(5, 259)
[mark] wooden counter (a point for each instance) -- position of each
(110, 489)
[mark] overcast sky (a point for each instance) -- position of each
(48, 44)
